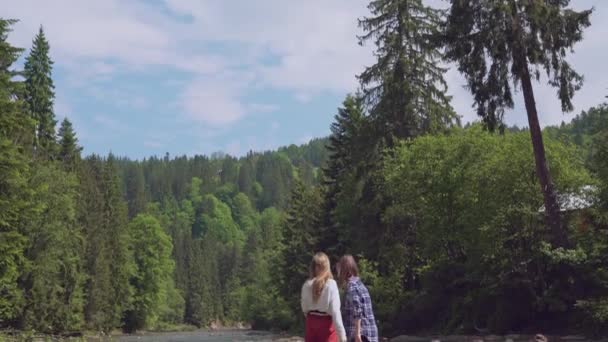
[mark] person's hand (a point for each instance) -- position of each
(358, 338)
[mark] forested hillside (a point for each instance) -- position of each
(445, 220)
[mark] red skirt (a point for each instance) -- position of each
(320, 329)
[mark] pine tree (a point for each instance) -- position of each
(405, 88)
(345, 148)
(109, 261)
(136, 194)
(15, 193)
(118, 243)
(54, 282)
(41, 94)
(230, 170)
(495, 43)
(299, 239)
(69, 151)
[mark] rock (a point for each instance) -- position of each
(573, 338)
(406, 338)
(289, 339)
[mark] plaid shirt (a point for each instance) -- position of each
(358, 305)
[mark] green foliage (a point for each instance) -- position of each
(495, 44)
(15, 192)
(494, 41)
(447, 226)
(218, 223)
(476, 227)
(69, 151)
(54, 283)
(41, 94)
(405, 88)
(275, 174)
(109, 263)
(152, 274)
(13, 261)
(135, 190)
(299, 240)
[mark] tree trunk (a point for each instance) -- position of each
(552, 210)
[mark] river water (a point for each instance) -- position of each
(201, 336)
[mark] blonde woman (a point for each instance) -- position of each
(321, 303)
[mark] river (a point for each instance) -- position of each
(201, 336)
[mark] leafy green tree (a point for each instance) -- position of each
(495, 44)
(405, 88)
(41, 94)
(479, 256)
(243, 212)
(217, 221)
(153, 270)
(69, 151)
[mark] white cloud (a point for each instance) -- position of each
(307, 47)
(211, 103)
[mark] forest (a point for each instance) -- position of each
(457, 228)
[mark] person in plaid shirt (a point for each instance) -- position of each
(358, 315)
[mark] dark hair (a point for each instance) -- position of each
(347, 268)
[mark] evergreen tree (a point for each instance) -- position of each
(275, 174)
(496, 42)
(54, 283)
(230, 170)
(15, 193)
(69, 151)
(405, 88)
(109, 264)
(41, 94)
(345, 148)
(246, 177)
(135, 192)
(299, 239)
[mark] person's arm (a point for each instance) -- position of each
(303, 301)
(357, 313)
(334, 310)
(358, 330)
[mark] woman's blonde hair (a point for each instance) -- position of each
(320, 273)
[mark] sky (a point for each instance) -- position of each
(140, 78)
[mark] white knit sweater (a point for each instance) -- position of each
(329, 303)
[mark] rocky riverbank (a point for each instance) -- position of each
(489, 338)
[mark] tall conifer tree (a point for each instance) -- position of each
(15, 193)
(501, 44)
(405, 89)
(41, 94)
(69, 151)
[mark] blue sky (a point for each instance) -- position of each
(142, 78)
